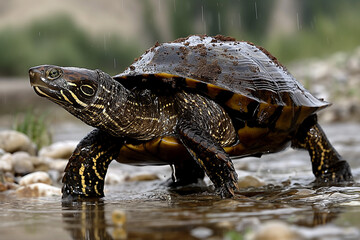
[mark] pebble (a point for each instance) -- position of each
(142, 177)
(38, 190)
(6, 162)
(35, 177)
(250, 181)
(202, 232)
(59, 150)
(13, 141)
(276, 230)
(22, 163)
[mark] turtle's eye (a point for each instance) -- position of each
(87, 90)
(53, 73)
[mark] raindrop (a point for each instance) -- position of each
(219, 22)
(202, 13)
(256, 14)
(39, 34)
(159, 3)
(104, 43)
(239, 20)
(114, 63)
(298, 22)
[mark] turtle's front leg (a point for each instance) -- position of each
(85, 172)
(327, 164)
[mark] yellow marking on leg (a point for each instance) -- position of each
(95, 188)
(94, 166)
(77, 99)
(83, 183)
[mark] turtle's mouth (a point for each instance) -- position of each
(43, 89)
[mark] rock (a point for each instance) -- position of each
(38, 190)
(58, 165)
(7, 186)
(250, 181)
(276, 230)
(142, 177)
(305, 192)
(201, 232)
(114, 178)
(6, 162)
(62, 150)
(13, 141)
(22, 163)
(35, 177)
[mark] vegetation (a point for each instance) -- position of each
(35, 127)
(59, 41)
(324, 26)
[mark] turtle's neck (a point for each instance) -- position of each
(137, 114)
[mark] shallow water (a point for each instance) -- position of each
(155, 212)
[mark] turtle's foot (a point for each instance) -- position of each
(70, 194)
(339, 173)
(227, 190)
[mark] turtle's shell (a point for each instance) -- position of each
(235, 73)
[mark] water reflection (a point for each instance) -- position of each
(86, 220)
(177, 215)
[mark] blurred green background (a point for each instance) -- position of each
(110, 34)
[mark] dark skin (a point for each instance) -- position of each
(184, 129)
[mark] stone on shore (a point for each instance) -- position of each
(35, 177)
(13, 141)
(59, 150)
(38, 190)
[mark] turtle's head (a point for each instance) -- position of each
(72, 88)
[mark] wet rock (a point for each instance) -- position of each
(202, 232)
(13, 141)
(7, 186)
(35, 177)
(276, 230)
(22, 163)
(6, 162)
(305, 192)
(59, 150)
(114, 178)
(38, 190)
(142, 177)
(250, 181)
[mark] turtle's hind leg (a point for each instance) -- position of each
(210, 156)
(327, 164)
(85, 172)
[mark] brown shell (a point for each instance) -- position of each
(239, 72)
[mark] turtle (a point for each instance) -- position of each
(195, 104)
